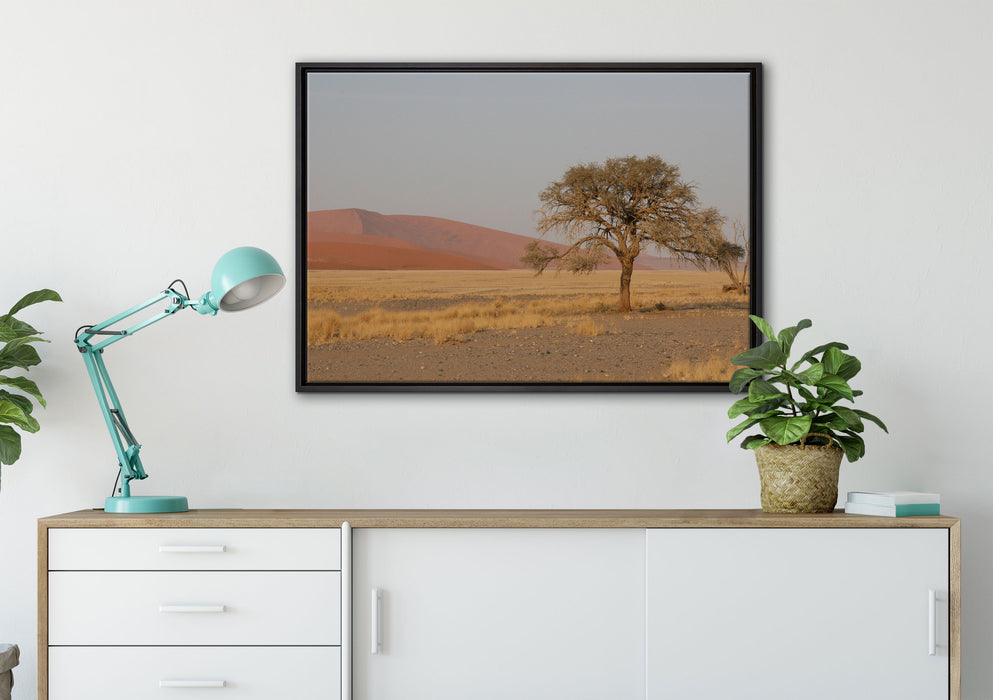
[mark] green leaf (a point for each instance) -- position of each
(753, 441)
(844, 365)
(823, 424)
(25, 385)
(10, 445)
(831, 422)
(836, 384)
(812, 374)
(785, 430)
(23, 340)
(849, 368)
(833, 358)
(23, 357)
(10, 412)
(850, 418)
(23, 402)
(788, 335)
(766, 356)
(747, 423)
(7, 333)
(810, 354)
(869, 417)
(762, 390)
(804, 392)
(743, 406)
(764, 327)
(853, 445)
(20, 328)
(33, 298)
(741, 377)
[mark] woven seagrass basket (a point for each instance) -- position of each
(799, 478)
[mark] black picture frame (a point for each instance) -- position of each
(314, 130)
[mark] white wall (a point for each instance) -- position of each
(139, 141)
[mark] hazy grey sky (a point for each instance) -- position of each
(480, 147)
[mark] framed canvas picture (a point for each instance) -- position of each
(526, 227)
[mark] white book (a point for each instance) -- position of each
(892, 498)
(897, 511)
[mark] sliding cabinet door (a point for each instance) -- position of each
(817, 614)
(494, 614)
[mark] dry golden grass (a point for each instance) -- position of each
(715, 369)
(469, 301)
(586, 326)
(675, 290)
(452, 323)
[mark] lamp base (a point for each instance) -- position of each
(146, 504)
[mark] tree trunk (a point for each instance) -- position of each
(627, 267)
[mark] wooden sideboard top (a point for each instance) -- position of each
(441, 518)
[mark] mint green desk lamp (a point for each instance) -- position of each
(242, 278)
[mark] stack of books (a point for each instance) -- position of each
(893, 504)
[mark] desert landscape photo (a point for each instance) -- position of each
(407, 299)
(477, 228)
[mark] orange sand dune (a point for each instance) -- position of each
(358, 256)
(481, 248)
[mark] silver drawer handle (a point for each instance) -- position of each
(191, 608)
(191, 548)
(191, 684)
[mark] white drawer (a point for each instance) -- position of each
(194, 607)
(134, 549)
(248, 673)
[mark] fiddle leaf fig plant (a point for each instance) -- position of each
(803, 401)
(16, 352)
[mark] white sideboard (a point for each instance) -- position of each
(384, 605)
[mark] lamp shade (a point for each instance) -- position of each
(245, 277)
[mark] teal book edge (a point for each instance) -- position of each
(894, 511)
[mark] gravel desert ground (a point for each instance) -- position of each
(479, 327)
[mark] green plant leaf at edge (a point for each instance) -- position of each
(762, 390)
(22, 402)
(788, 335)
(853, 445)
(810, 354)
(753, 441)
(750, 407)
(869, 417)
(748, 423)
(741, 377)
(851, 419)
(10, 445)
(23, 357)
(766, 356)
(32, 298)
(10, 412)
(764, 327)
(25, 385)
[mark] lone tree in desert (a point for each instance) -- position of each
(624, 206)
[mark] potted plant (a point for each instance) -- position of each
(806, 428)
(16, 352)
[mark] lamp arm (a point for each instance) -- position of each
(125, 444)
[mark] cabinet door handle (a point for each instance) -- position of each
(932, 621)
(377, 621)
(192, 608)
(191, 548)
(192, 684)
